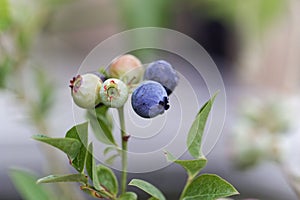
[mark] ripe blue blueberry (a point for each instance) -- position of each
(162, 72)
(149, 99)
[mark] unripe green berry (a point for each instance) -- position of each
(85, 90)
(128, 68)
(113, 93)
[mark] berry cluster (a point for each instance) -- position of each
(151, 86)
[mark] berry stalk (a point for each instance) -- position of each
(124, 138)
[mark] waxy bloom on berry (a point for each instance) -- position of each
(162, 72)
(114, 93)
(149, 99)
(85, 90)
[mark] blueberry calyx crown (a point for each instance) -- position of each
(111, 90)
(165, 103)
(75, 83)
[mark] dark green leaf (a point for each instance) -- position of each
(195, 134)
(107, 179)
(208, 187)
(101, 124)
(68, 145)
(26, 185)
(90, 161)
(193, 167)
(64, 178)
(148, 188)
(128, 196)
(79, 132)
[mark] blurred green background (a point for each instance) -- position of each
(255, 44)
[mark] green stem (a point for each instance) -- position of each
(124, 138)
(188, 182)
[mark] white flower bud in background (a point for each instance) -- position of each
(114, 93)
(85, 90)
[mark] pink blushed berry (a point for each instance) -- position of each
(127, 68)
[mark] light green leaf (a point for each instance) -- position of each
(107, 179)
(110, 160)
(195, 134)
(128, 196)
(25, 183)
(193, 167)
(148, 188)
(101, 124)
(208, 187)
(79, 132)
(90, 161)
(110, 149)
(152, 198)
(5, 18)
(64, 178)
(68, 145)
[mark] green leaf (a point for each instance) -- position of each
(148, 188)
(25, 183)
(94, 177)
(41, 106)
(112, 148)
(6, 68)
(110, 160)
(208, 187)
(128, 196)
(90, 161)
(193, 167)
(90, 191)
(107, 179)
(195, 134)
(79, 132)
(103, 178)
(68, 145)
(101, 124)
(5, 18)
(152, 198)
(64, 178)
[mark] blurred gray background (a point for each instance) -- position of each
(254, 44)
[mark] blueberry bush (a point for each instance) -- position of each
(149, 89)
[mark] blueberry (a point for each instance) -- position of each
(128, 68)
(100, 75)
(162, 72)
(149, 99)
(113, 93)
(85, 90)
